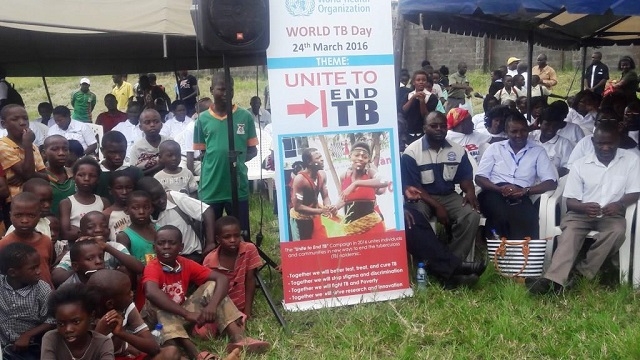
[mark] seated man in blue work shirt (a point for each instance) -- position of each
(431, 167)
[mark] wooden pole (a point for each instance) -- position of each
(398, 42)
(332, 169)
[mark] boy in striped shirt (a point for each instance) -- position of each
(237, 260)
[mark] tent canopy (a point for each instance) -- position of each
(79, 37)
(568, 24)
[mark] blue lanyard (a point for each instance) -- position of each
(517, 162)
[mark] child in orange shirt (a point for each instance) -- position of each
(25, 214)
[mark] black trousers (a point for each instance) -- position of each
(513, 221)
(424, 246)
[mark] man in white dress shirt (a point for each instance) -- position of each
(600, 187)
(558, 148)
(260, 116)
(130, 128)
(73, 130)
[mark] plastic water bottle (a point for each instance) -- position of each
(495, 234)
(157, 333)
(421, 276)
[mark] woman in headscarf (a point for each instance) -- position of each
(360, 185)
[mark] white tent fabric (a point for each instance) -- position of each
(96, 37)
(171, 17)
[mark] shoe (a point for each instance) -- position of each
(470, 268)
(541, 286)
(456, 281)
(249, 345)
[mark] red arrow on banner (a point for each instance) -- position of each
(306, 108)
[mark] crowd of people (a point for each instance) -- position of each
(512, 156)
(106, 242)
(97, 253)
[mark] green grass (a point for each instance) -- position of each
(33, 91)
(61, 88)
(497, 319)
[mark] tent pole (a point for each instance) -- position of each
(46, 89)
(530, 60)
(584, 66)
(398, 43)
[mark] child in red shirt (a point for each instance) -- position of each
(237, 260)
(166, 280)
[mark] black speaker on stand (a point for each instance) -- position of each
(233, 26)
(236, 27)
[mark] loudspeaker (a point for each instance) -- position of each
(232, 25)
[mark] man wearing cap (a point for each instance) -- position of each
(83, 101)
(548, 77)
(431, 167)
(512, 66)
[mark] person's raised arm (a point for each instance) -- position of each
(26, 169)
(132, 264)
(142, 340)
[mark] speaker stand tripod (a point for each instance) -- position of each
(233, 163)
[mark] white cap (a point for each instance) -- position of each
(85, 81)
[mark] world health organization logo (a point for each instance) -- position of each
(300, 7)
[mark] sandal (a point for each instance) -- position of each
(205, 355)
(249, 345)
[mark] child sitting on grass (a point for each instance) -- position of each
(86, 172)
(25, 214)
(119, 319)
(138, 237)
(166, 280)
(237, 260)
(56, 149)
(41, 189)
(73, 307)
(86, 258)
(22, 327)
(93, 226)
(120, 186)
(181, 210)
(172, 176)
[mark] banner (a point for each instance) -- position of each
(332, 90)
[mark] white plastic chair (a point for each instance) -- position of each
(98, 131)
(559, 203)
(255, 171)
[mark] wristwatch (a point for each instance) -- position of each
(527, 191)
